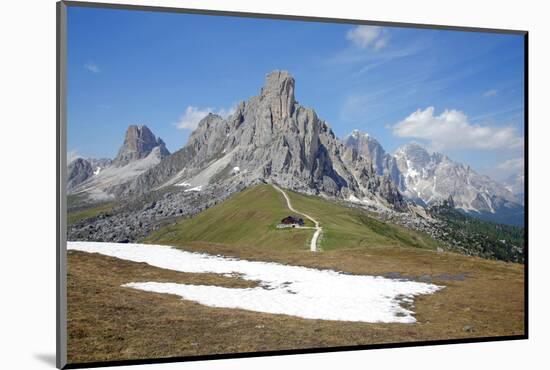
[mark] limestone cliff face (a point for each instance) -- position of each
(100, 179)
(78, 171)
(363, 144)
(270, 138)
(139, 142)
(430, 178)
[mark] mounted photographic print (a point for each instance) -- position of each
(234, 184)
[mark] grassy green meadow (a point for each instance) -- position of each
(249, 219)
(109, 322)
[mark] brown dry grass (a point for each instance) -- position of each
(108, 322)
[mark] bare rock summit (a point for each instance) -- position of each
(139, 142)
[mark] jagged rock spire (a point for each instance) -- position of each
(279, 92)
(138, 143)
(271, 138)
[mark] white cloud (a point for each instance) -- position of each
(92, 67)
(490, 93)
(512, 165)
(508, 172)
(380, 43)
(368, 37)
(452, 130)
(193, 115)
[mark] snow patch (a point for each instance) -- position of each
(412, 172)
(97, 171)
(283, 289)
(196, 188)
(184, 183)
(367, 202)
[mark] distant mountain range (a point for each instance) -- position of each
(428, 179)
(98, 178)
(272, 138)
(516, 185)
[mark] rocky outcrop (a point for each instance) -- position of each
(99, 164)
(367, 146)
(430, 178)
(141, 151)
(139, 142)
(270, 137)
(78, 171)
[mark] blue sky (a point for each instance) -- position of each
(460, 93)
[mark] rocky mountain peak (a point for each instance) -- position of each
(139, 142)
(412, 147)
(358, 138)
(415, 155)
(432, 178)
(278, 92)
(363, 145)
(354, 137)
(78, 171)
(271, 138)
(366, 146)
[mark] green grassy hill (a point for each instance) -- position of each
(250, 218)
(74, 216)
